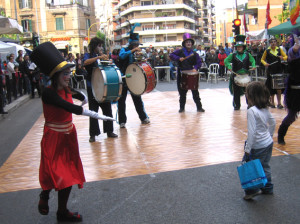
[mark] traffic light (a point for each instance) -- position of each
(285, 6)
(236, 26)
(35, 41)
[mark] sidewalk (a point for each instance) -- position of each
(15, 104)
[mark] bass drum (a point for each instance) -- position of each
(106, 83)
(143, 78)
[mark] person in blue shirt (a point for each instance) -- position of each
(90, 61)
(126, 57)
(228, 50)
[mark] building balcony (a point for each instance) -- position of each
(197, 24)
(162, 32)
(205, 16)
(198, 14)
(153, 8)
(118, 27)
(118, 38)
(159, 20)
(122, 2)
(197, 6)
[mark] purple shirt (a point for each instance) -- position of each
(175, 56)
(292, 55)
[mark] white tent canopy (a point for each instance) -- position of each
(9, 48)
(9, 26)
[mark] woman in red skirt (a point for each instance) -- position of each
(60, 166)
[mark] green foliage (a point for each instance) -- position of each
(100, 35)
(179, 12)
(282, 17)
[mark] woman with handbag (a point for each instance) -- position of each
(261, 127)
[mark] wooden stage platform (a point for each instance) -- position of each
(172, 140)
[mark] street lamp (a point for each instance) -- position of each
(90, 29)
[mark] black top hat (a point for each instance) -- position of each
(240, 40)
(49, 59)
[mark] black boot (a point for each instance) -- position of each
(281, 133)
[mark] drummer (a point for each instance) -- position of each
(90, 61)
(240, 60)
(126, 57)
(271, 59)
(187, 60)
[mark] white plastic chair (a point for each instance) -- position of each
(80, 80)
(213, 72)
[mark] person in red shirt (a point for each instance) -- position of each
(222, 55)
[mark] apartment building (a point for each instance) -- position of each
(256, 13)
(63, 22)
(163, 22)
(208, 22)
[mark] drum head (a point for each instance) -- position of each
(98, 84)
(137, 82)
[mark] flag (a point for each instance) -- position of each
(245, 24)
(294, 11)
(268, 18)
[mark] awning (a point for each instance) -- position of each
(9, 26)
(61, 44)
(284, 28)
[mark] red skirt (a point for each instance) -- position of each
(60, 165)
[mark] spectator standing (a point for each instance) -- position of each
(24, 69)
(34, 79)
(9, 81)
(201, 53)
(2, 83)
(222, 55)
(227, 49)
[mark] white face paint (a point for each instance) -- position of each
(188, 44)
(64, 78)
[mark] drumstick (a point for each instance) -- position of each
(188, 57)
(273, 63)
(126, 76)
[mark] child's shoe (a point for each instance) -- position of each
(250, 196)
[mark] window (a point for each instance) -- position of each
(25, 4)
(148, 39)
(88, 23)
(26, 24)
(143, 3)
(59, 23)
(147, 27)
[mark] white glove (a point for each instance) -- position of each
(95, 115)
(85, 99)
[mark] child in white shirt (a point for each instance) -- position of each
(261, 126)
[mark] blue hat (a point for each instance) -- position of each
(134, 36)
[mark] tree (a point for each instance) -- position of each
(285, 12)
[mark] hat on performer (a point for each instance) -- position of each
(271, 39)
(134, 38)
(240, 40)
(187, 36)
(48, 59)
